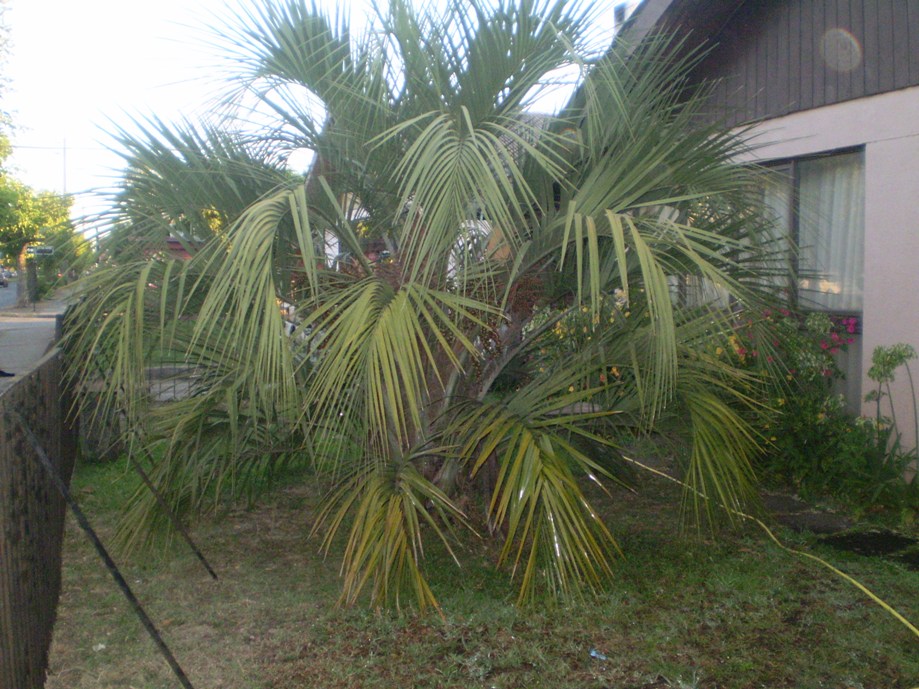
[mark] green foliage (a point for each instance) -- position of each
(885, 361)
(821, 450)
(815, 443)
(809, 424)
(27, 217)
(455, 371)
(30, 217)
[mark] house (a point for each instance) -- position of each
(831, 89)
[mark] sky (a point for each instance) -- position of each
(76, 66)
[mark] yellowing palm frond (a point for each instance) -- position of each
(390, 504)
(553, 536)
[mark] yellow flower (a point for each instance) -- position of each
(570, 388)
(719, 351)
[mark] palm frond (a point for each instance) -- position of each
(554, 539)
(388, 343)
(392, 503)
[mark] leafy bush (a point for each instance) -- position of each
(814, 443)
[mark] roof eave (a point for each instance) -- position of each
(644, 19)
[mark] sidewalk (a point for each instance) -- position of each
(47, 308)
(26, 335)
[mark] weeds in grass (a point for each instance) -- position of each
(681, 613)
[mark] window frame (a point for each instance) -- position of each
(788, 167)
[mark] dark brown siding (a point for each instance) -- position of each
(775, 57)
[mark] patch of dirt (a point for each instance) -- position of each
(878, 543)
(797, 515)
(910, 558)
(815, 522)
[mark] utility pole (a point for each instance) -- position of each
(64, 165)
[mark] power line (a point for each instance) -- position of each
(68, 147)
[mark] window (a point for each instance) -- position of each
(819, 203)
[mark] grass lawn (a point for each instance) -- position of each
(682, 612)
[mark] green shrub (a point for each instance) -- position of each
(813, 443)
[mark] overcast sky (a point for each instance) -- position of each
(76, 64)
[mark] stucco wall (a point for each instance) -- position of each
(888, 127)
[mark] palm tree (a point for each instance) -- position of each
(487, 300)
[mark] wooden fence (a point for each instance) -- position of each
(31, 520)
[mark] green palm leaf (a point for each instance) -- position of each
(554, 538)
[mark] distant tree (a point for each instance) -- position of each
(29, 217)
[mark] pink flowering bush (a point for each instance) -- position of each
(803, 346)
(807, 435)
(811, 441)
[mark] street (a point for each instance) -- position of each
(25, 334)
(8, 296)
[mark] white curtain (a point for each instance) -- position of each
(831, 222)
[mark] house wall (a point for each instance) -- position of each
(887, 125)
(777, 57)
